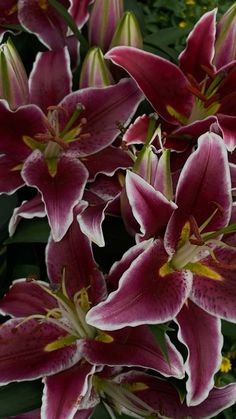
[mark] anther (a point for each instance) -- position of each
(58, 108)
(208, 71)
(219, 207)
(195, 231)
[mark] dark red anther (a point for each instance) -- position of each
(196, 92)
(208, 71)
(219, 207)
(211, 100)
(195, 231)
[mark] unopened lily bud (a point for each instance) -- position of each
(225, 46)
(13, 79)
(94, 72)
(127, 32)
(103, 20)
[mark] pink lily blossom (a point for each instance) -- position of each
(155, 279)
(49, 325)
(192, 97)
(57, 133)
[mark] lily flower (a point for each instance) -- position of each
(42, 19)
(57, 133)
(164, 271)
(191, 97)
(48, 323)
(163, 397)
(156, 278)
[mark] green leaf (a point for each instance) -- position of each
(166, 36)
(228, 329)
(159, 333)
(71, 23)
(31, 231)
(17, 398)
(24, 271)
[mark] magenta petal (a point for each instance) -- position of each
(150, 207)
(26, 297)
(51, 78)
(44, 21)
(8, 16)
(63, 392)
(162, 82)
(227, 125)
(28, 209)
(22, 354)
(27, 120)
(200, 186)
(162, 396)
(137, 132)
(10, 179)
(217, 296)
(184, 136)
(91, 219)
(107, 161)
(118, 268)
(104, 108)
(79, 11)
(143, 296)
(80, 272)
(200, 47)
(61, 192)
(201, 333)
(133, 347)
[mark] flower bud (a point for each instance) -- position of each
(94, 72)
(225, 46)
(13, 79)
(104, 17)
(127, 32)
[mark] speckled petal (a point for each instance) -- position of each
(201, 333)
(144, 295)
(60, 192)
(22, 354)
(63, 392)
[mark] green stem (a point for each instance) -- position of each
(71, 23)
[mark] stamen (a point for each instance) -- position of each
(196, 92)
(121, 127)
(58, 108)
(208, 71)
(194, 227)
(48, 126)
(83, 136)
(193, 81)
(79, 108)
(211, 100)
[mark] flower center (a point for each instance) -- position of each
(207, 97)
(121, 397)
(53, 141)
(194, 245)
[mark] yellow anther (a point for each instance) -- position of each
(104, 337)
(43, 4)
